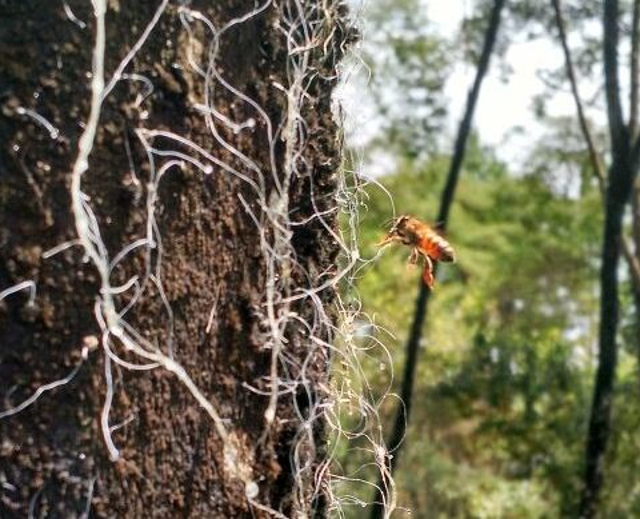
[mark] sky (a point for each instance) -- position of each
(503, 106)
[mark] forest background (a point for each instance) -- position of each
(505, 373)
(510, 391)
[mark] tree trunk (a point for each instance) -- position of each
(600, 421)
(398, 433)
(622, 173)
(630, 253)
(635, 286)
(180, 378)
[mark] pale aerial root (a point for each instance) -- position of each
(304, 29)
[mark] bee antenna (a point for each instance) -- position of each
(389, 221)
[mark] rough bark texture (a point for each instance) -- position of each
(52, 454)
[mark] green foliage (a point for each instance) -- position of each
(504, 382)
(409, 65)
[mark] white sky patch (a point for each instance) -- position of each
(504, 115)
(447, 15)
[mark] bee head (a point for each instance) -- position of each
(400, 225)
(398, 230)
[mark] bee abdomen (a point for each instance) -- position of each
(447, 254)
(439, 249)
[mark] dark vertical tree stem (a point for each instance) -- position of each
(635, 70)
(413, 343)
(595, 157)
(600, 421)
(619, 187)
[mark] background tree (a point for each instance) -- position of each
(404, 409)
(603, 394)
(167, 199)
(625, 148)
(409, 110)
(501, 401)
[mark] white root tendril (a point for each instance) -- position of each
(44, 388)
(89, 236)
(54, 133)
(72, 17)
(295, 294)
(24, 285)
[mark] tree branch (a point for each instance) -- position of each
(634, 265)
(635, 215)
(635, 71)
(612, 84)
(594, 156)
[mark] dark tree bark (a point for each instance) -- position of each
(634, 102)
(202, 291)
(403, 411)
(600, 421)
(634, 264)
(622, 173)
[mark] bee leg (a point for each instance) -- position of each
(427, 273)
(413, 259)
(387, 239)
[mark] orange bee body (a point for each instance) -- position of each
(426, 242)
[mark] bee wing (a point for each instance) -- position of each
(436, 248)
(439, 227)
(449, 255)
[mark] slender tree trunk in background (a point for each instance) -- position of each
(630, 253)
(634, 126)
(635, 218)
(221, 238)
(600, 421)
(622, 173)
(403, 412)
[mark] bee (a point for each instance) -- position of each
(425, 241)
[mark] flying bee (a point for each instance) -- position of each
(425, 241)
